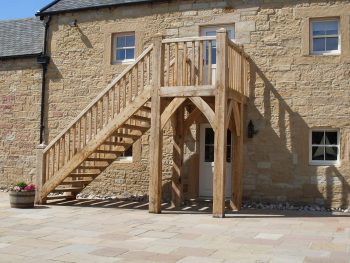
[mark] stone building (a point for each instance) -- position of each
(296, 119)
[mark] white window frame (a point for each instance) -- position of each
(324, 162)
(330, 52)
(115, 48)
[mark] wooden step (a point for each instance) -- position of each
(115, 152)
(141, 118)
(84, 174)
(145, 108)
(100, 159)
(76, 182)
(68, 189)
(92, 167)
(126, 135)
(55, 197)
(135, 127)
(117, 144)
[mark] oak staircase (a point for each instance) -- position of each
(121, 113)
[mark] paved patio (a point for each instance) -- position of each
(118, 231)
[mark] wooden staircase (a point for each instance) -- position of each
(109, 126)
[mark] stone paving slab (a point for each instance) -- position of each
(100, 231)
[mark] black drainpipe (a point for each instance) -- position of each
(43, 59)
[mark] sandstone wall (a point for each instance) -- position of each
(20, 84)
(291, 91)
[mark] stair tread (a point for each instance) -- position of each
(92, 166)
(92, 159)
(135, 127)
(117, 143)
(76, 182)
(53, 197)
(67, 189)
(115, 152)
(126, 135)
(145, 108)
(84, 174)
(141, 118)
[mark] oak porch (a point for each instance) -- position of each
(181, 75)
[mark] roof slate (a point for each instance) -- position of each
(70, 5)
(21, 37)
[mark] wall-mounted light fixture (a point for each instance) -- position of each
(251, 129)
(73, 23)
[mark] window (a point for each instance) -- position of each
(325, 37)
(124, 48)
(324, 147)
(211, 31)
(209, 146)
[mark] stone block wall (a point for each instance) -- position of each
(291, 91)
(20, 84)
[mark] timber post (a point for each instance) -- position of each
(40, 173)
(221, 86)
(155, 183)
(178, 153)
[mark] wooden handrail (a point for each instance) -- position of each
(188, 39)
(94, 101)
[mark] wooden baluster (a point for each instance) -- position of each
(90, 123)
(96, 123)
(130, 86)
(200, 63)
(137, 90)
(113, 102)
(148, 65)
(176, 66)
(124, 93)
(210, 71)
(107, 107)
(101, 113)
(69, 145)
(193, 64)
(167, 58)
(64, 150)
(52, 154)
(142, 64)
(184, 65)
(47, 166)
(118, 98)
(79, 136)
(74, 140)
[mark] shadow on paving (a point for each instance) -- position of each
(193, 207)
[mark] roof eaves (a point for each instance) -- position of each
(40, 11)
(43, 13)
(20, 56)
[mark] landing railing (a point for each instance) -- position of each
(192, 61)
(118, 95)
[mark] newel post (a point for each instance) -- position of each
(40, 173)
(220, 129)
(155, 183)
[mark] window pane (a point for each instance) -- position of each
(209, 136)
(130, 41)
(318, 28)
(120, 54)
(332, 43)
(318, 153)
(130, 53)
(120, 42)
(331, 27)
(318, 137)
(331, 138)
(319, 44)
(229, 141)
(228, 154)
(331, 153)
(209, 153)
